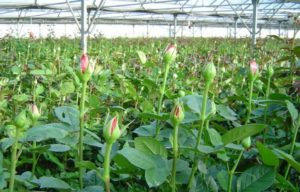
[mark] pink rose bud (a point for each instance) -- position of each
(34, 112)
(177, 114)
(253, 67)
(84, 62)
(111, 130)
(170, 54)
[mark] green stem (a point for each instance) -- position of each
(106, 175)
(292, 147)
(250, 101)
(80, 144)
(13, 161)
(202, 121)
(267, 106)
(175, 154)
(232, 171)
(163, 88)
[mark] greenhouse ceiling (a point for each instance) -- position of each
(270, 13)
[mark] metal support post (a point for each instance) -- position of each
(279, 29)
(170, 33)
(147, 29)
(133, 30)
(83, 26)
(235, 27)
(175, 25)
(254, 23)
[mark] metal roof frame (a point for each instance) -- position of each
(85, 13)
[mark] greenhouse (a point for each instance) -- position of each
(149, 95)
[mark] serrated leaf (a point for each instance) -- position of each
(226, 112)
(215, 137)
(48, 131)
(242, 132)
(69, 115)
(52, 182)
(257, 178)
(59, 148)
(150, 145)
(137, 158)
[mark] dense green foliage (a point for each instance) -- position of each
(45, 72)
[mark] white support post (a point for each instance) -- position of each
(254, 22)
(83, 26)
(170, 33)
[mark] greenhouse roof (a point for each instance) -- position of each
(206, 12)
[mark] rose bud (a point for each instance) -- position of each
(84, 62)
(170, 54)
(246, 142)
(253, 69)
(177, 114)
(209, 73)
(21, 120)
(34, 112)
(270, 71)
(111, 130)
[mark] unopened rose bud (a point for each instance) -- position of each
(87, 68)
(170, 54)
(209, 73)
(34, 112)
(270, 71)
(246, 142)
(84, 62)
(253, 69)
(21, 120)
(111, 130)
(177, 114)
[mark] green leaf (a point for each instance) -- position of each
(41, 72)
(69, 115)
(93, 189)
(290, 159)
(87, 165)
(51, 182)
(297, 51)
(67, 88)
(156, 167)
(257, 178)
(282, 182)
(242, 132)
(215, 137)
(194, 103)
(267, 156)
(59, 148)
(223, 178)
(158, 174)
(150, 145)
(146, 130)
(138, 158)
(292, 109)
(226, 112)
(48, 131)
